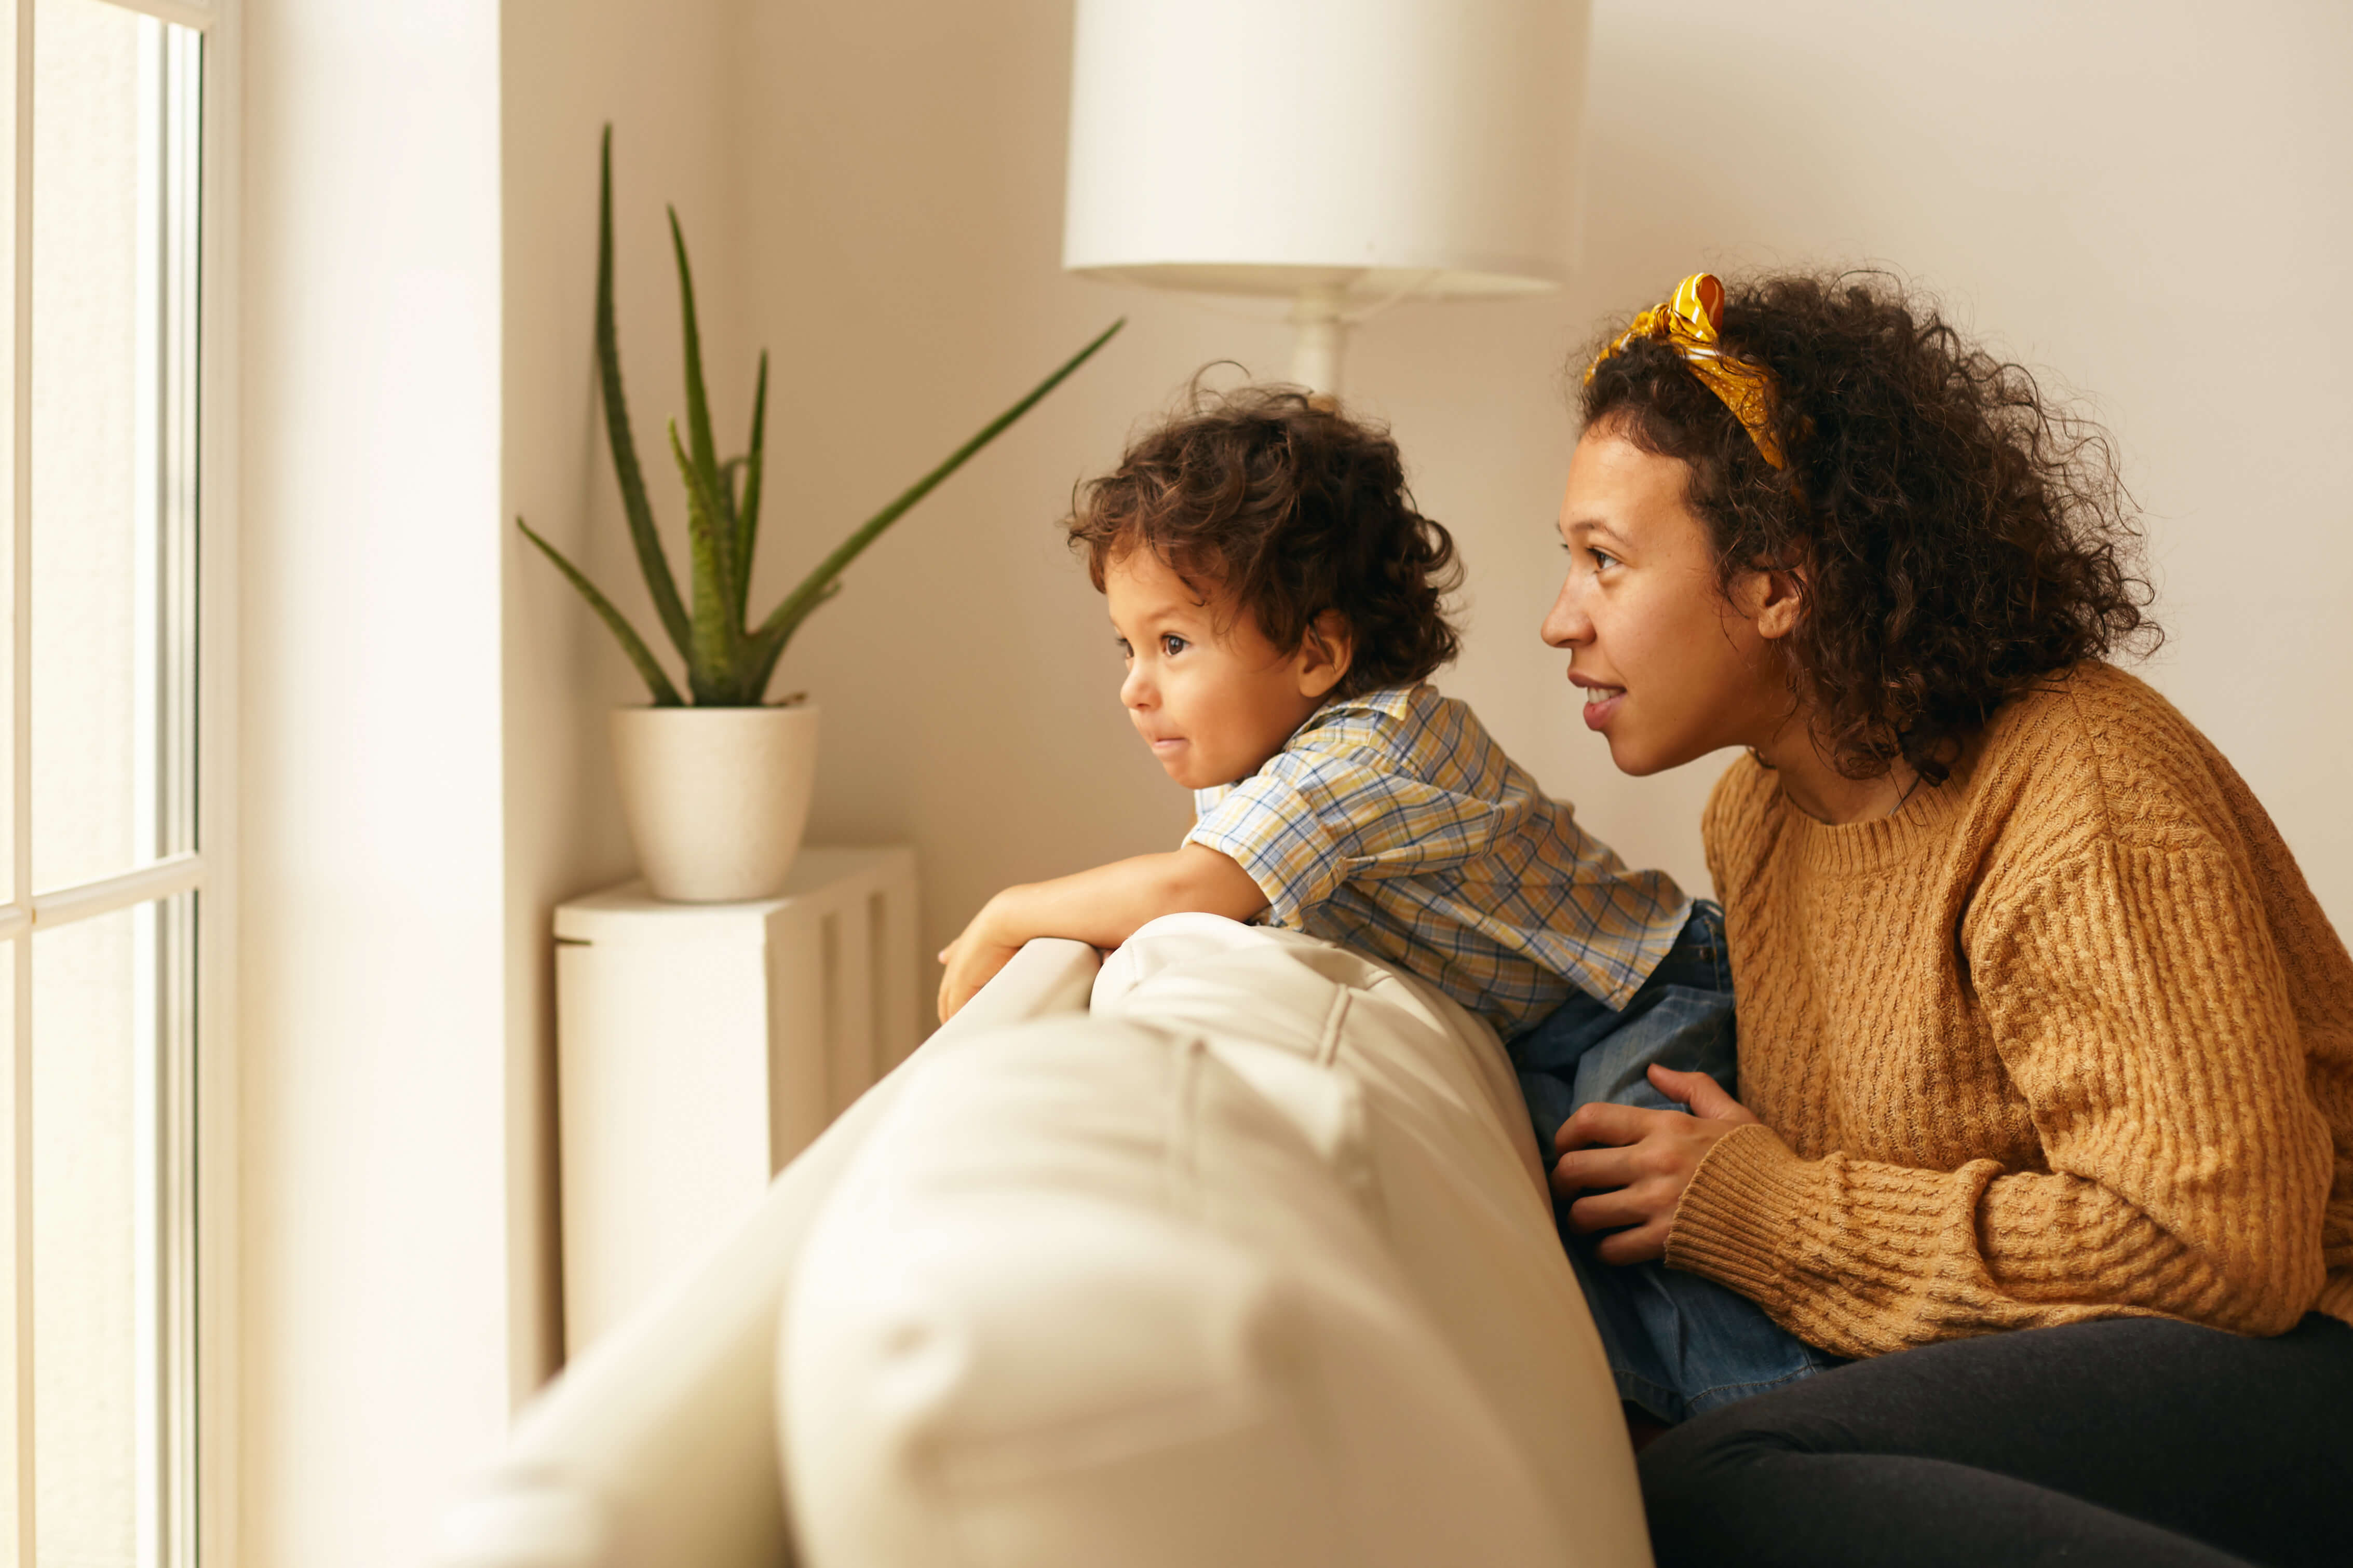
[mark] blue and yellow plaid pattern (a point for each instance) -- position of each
(1393, 823)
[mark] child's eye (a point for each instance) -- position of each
(1172, 646)
(1124, 651)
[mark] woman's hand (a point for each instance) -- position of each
(1634, 1165)
(974, 957)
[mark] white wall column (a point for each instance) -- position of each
(423, 751)
(374, 1283)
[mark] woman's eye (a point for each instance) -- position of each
(1603, 560)
(1172, 646)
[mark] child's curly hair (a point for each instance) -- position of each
(1295, 511)
(1961, 537)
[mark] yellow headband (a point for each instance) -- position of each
(1690, 324)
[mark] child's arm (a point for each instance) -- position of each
(1103, 907)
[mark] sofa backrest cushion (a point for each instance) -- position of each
(1249, 1268)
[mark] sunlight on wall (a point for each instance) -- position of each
(423, 745)
(373, 1280)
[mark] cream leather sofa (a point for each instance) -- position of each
(1234, 1252)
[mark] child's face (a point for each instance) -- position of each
(1670, 667)
(1207, 691)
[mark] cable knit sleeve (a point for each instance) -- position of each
(2138, 1005)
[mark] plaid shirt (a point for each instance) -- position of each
(1393, 823)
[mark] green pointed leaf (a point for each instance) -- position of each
(767, 646)
(714, 668)
(721, 556)
(747, 519)
(643, 535)
(698, 396)
(665, 694)
(815, 588)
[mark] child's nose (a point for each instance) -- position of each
(1135, 691)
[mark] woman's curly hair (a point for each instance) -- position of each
(1294, 511)
(1960, 537)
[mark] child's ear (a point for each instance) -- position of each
(1325, 653)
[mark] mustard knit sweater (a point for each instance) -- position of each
(2068, 1038)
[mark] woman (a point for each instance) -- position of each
(2046, 1048)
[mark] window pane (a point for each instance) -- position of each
(113, 274)
(110, 1209)
(10, 955)
(85, 1381)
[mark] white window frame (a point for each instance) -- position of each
(204, 1401)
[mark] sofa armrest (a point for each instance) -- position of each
(658, 1446)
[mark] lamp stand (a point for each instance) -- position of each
(1323, 339)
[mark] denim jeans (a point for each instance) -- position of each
(1679, 1345)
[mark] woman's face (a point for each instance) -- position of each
(1670, 667)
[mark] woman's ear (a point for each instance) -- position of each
(1777, 600)
(1325, 654)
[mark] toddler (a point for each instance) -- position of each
(1280, 606)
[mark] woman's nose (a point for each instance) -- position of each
(1567, 624)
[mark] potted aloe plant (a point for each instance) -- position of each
(716, 783)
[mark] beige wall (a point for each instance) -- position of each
(2146, 202)
(2130, 198)
(567, 68)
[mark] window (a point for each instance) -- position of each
(105, 920)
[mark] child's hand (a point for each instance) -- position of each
(1633, 1165)
(1103, 907)
(972, 960)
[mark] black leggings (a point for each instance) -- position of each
(2137, 1441)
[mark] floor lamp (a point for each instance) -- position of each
(1343, 155)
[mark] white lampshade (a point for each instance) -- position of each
(1347, 148)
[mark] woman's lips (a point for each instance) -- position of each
(1601, 704)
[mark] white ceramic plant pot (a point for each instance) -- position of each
(716, 798)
